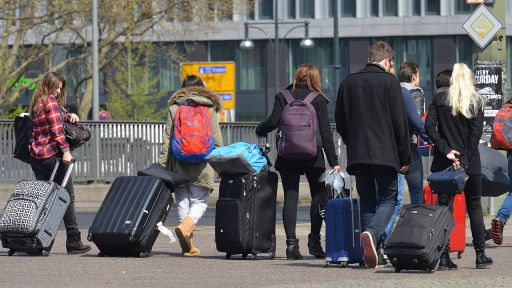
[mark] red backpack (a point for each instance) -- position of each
(192, 138)
(502, 128)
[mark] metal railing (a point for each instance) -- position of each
(122, 148)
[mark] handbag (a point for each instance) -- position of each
(23, 134)
(448, 181)
(76, 135)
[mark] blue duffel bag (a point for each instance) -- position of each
(448, 181)
(238, 158)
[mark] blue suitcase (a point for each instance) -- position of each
(342, 232)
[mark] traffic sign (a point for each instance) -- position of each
(482, 26)
(217, 76)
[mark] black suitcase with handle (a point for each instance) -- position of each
(126, 223)
(419, 237)
(245, 215)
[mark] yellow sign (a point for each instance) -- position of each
(482, 26)
(218, 77)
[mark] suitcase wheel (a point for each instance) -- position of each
(429, 270)
(343, 264)
(11, 252)
(144, 254)
(272, 255)
(362, 264)
(459, 255)
(397, 270)
(45, 253)
(101, 254)
(244, 256)
(228, 256)
(327, 264)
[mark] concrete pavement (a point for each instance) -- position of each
(166, 268)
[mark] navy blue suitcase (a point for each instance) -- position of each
(342, 232)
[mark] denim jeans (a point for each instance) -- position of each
(192, 201)
(399, 199)
(506, 207)
(43, 170)
(375, 218)
(414, 178)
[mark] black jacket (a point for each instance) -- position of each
(320, 104)
(450, 132)
(371, 119)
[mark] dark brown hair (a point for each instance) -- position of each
(406, 71)
(380, 51)
(47, 86)
(443, 78)
(309, 74)
(192, 81)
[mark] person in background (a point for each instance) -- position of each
(306, 80)
(191, 198)
(49, 144)
(455, 123)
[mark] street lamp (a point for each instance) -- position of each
(248, 44)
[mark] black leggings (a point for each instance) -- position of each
(290, 179)
(473, 195)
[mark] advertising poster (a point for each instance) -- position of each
(488, 81)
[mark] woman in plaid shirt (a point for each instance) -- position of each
(49, 142)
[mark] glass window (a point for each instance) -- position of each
(307, 8)
(509, 71)
(374, 9)
(416, 7)
(348, 8)
(266, 9)
(390, 7)
(419, 50)
(166, 68)
(464, 50)
(251, 70)
(433, 7)
(462, 8)
(291, 9)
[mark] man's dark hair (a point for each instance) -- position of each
(406, 71)
(443, 78)
(380, 51)
(192, 81)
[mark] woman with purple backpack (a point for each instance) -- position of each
(305, 93)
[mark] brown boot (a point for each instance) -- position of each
(194, 251)
(184, 233)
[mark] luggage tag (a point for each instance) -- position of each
(160, 226)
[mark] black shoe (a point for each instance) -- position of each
(482, 261)
(445, 263)
(75, 246)
(292, 249)
(488, 234)
(497, 231)
(314, 245)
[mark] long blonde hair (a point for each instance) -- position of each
(462, 95)
(50, 82)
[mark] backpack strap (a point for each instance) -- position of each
(288, 97)
(311, 96)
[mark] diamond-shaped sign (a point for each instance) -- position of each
(482, 26)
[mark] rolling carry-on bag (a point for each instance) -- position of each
(33, 214)
(458, 236)
(419, 237)
(126, 223)
(245, 214)
(342, 230)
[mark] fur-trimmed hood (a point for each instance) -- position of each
(198, 95)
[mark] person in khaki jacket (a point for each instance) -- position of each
(191, 198)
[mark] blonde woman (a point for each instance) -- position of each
(454, 123)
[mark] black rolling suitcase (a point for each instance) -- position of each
(419, 237)
(126, 223)
(245, 215)
(33, 214)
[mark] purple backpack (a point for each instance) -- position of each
(298, 128)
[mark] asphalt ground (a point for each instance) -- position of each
(167, 268)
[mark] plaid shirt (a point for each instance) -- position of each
(48, 132)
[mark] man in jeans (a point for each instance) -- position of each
(370, 117)
(505, 211)
(409, 77)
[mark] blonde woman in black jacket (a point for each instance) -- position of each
(454, 123)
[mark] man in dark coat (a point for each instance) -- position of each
(371, 118)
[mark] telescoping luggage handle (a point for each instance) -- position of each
(68, 172)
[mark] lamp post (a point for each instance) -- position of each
(248, 44)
